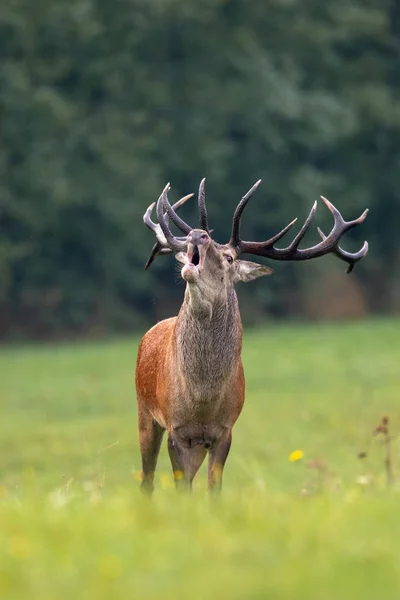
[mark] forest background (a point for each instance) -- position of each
(103, 102)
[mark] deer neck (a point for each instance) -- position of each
(208, 338)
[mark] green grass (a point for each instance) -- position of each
(74, 525)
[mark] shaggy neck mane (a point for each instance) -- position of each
(209, 339)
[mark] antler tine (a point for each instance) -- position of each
(147, 215)
(299, 236)
(280, 235)
(238, 213)
(147, 218)
(172, 242)
(350, 257)
(162, 246)
(155, 227)
(156, 250)
(170, 212)
(202, 206)
(181, 201)
(340, 227)
(338, 217)
(328, 245)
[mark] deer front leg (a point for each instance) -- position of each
(216, 462)
(186, 461)
(150, 438)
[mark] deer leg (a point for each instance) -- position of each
(185, 462)
(216, 462)
(150, 438)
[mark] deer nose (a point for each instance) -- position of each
(198, 238)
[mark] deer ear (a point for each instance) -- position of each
(181, 257)
(247, 270)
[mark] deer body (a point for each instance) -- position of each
(189, 373)
(190, 381)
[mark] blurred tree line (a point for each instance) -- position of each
(104, 101)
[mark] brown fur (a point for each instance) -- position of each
(189, 374)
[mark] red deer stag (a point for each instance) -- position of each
(189, 373)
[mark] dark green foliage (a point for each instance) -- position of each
(103, 102)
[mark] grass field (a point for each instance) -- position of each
(74, 525)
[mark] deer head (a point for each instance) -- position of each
(212, 267)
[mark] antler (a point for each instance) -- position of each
(202, 206)
(183, 226)
(329, 244)
(349, 257)
(166, 242)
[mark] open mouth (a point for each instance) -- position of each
(195, 256)
(195, 259)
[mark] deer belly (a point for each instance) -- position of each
(197, 434)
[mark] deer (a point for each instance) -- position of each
(189, 375)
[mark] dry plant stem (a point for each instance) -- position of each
(383, 428)
(388, 460)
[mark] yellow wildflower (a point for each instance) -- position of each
(296, 455)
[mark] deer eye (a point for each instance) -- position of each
(229, 258)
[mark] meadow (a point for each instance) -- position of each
(302, 514)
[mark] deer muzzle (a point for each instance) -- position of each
(197, 245)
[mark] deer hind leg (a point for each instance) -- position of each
(216, 462)
(150, 438)
(185, 461)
